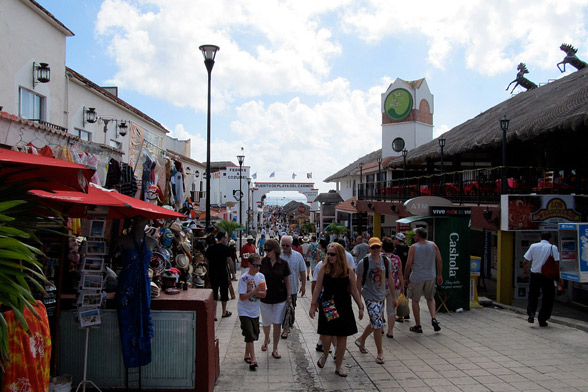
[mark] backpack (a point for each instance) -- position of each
(366, 267)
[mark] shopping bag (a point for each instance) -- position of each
(289, 317)
(402, 309)
(550, 268)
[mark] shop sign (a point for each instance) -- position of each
(398, 104)
(542, 212)
(420, 205)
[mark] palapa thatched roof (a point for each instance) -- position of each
(350, 169)
(331, 197)
(556, 106)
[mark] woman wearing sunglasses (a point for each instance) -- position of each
(273, 306)
(336, 282)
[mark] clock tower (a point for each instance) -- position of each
(407, 116)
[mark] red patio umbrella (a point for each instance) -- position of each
(74, 204)
(43, 172)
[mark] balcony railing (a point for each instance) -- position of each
(50, 125)
(479, 186)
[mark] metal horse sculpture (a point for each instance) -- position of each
(521, 80)
(570, 58)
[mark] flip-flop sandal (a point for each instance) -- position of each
(253, 367)
(340, 373)
(227, 314)
(416, 328)
(285, 335)
(361, 347)
(321, 362)
(264, 346)
(276, 355)
(390, 336)
(380, 360)
(247, 359)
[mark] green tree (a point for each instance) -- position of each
(337, 229)
(309, 228)
(229, 226)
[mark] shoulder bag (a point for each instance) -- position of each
(550, 268)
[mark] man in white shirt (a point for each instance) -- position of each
(297, 272)
(537, 256)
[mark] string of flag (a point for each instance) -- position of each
(273, 175)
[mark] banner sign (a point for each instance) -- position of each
(288, 185)
(452, 236)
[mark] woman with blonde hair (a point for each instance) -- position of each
(332, 296)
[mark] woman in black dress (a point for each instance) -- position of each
(332, 295)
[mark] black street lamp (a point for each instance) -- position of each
(404, 154)
(504, 126)
(248, 204)
(241, 159)
(442, 146)
(209, 52)
(360, 172)
(379, 176)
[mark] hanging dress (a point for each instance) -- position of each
(133, 300)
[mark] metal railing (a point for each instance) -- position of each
(478, 186)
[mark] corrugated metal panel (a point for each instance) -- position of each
(105, 363)
(173, 351)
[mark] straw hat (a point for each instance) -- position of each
(182, 261)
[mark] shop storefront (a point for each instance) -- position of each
(523, 218)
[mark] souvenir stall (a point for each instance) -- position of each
(150, 267)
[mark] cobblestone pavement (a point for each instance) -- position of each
(479, 350)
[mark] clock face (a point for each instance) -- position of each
(398, 104)
(398, 144)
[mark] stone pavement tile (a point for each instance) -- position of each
(473, 388)
(526, 385)
(444, 368)
(489, 379)
(430, 374)
(446, 388)
(476, 372)
(501, 387)
(510, 378)
(437, 382)
(501, 371)
(411, 384)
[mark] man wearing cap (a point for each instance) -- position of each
(298, 269)
(373, 291)
(247, 249)
(426, 263)
(219, 261)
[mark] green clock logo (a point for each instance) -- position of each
(398, 104)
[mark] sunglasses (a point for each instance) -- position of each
(267, 249)
(256, 265)
(375, 247)
(285, 245)
(332, 254)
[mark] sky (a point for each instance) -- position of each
(298, 83)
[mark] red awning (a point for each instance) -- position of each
(74, 204)
(43, 172)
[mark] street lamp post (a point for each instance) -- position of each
(442, 146)
(379, 176)
(504, 126)
(241, 159)
(209, 52)
(404, 154)
(248, 204)
(360, 178)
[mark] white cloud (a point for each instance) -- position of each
(494, 35)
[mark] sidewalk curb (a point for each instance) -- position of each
(554, 319)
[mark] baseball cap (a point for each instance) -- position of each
(400, 237)
(374, 241)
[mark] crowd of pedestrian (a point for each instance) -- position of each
(274, 274)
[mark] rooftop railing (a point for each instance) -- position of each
(478, 186)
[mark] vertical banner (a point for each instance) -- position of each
(452, 236)
(487, 255)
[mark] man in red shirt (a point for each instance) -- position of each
(246, 249)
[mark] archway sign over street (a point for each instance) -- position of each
(306, 188)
